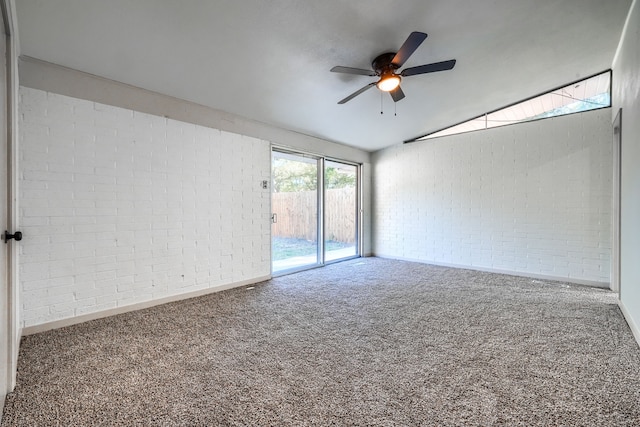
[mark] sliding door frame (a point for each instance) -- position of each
(321, 220)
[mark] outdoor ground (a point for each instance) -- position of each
(289, 253)
(284, 248)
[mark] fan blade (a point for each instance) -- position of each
(429, 68)
(351, 70)
(356, 93)
(397, 94)
(410, 45)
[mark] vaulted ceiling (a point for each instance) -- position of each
(269, 60)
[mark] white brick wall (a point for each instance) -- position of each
(531, 198)
(119, 207)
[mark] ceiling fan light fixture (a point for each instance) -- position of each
(386, 64)
(388, 83)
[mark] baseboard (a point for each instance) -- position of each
(591, 283)
(2, 397)
(635, 329)
(30, 330)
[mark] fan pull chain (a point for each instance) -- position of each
(381, 103)
(395, 109)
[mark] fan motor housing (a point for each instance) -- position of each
(382, 63)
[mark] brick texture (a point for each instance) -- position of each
(529, 198)
(119, 207)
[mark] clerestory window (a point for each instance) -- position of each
(589, 94)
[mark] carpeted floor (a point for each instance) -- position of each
(366, 342)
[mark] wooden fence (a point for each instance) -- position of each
(297, 213)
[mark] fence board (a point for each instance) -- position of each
(297, 213)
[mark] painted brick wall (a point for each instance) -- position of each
(530, 198)
(119, 207)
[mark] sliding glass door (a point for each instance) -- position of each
(294, 207)
(314, 204)
(340, 210)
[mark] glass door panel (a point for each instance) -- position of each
(294, 201)
(340, 210)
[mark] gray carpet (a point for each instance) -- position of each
(366, 342)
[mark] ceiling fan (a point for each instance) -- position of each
(386, 65)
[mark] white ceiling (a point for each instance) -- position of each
(269, 60)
